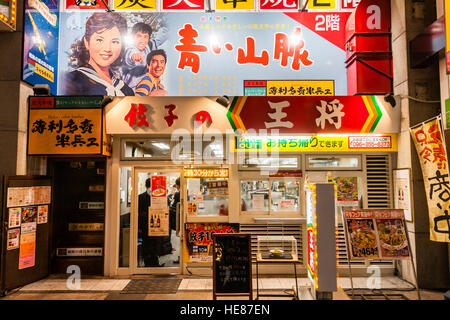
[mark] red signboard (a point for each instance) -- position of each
(278, 4)
(183, 4)
(328, 25)
(309, 114)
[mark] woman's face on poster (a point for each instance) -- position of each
(104, 47)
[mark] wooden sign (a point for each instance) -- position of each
(66, 131)
(232, 265)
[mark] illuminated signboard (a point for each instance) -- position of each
(322, 250)
(65, 131)
(206, 173)
(319, 143)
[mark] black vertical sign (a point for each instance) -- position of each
(232, 265)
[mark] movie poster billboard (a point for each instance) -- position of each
(376, 234)
(199, 241)
(201, 55)
(40, 43)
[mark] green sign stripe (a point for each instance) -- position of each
(231, 120)
(380, 114)
(230, 110)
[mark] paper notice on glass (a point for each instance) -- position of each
(193, 186)
(158, 224)
(42, 214)
(192, 208)
(27, 250)
(15, 216)
(286, 205)
(13, 239)
(258, 202)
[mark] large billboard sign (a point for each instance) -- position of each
(41, 30)
(105, 53)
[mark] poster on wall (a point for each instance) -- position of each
(158, 192)
(15, 217)
(41, 194)
(199, 242)
(402, 192)
(42, 214)
(13, 239)
(376, 234)
(158, 222)
(40, 43)
(27, 253)
(347, 191)
(199, 56)
(430, 146)
(19, 196)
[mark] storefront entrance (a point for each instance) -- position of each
(156, 221)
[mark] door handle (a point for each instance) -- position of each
(178, 219)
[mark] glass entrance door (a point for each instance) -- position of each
(157, 220)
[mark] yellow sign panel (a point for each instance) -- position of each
(206, 173)
(44, 72)
(235, 4)
(347, 143)
(135, 5)
(65, 131)
(300, 88)
(322, 4)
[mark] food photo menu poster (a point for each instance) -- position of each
(159, 192)
(376, 234)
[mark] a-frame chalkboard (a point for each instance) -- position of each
(232, 265)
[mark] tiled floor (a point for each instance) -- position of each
(196, 289)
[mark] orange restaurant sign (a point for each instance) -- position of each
(430, 147)
(66, 131)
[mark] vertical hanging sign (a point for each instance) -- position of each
(430, 147)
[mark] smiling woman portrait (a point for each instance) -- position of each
(98, 57)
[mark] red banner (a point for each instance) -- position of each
(183, 4)
(309, 114)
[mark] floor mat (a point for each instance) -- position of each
(139, 286)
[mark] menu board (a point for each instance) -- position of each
(376, 234)
(232, 264)
(25, 196)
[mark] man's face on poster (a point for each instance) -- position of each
(157, 66)
(141, 40)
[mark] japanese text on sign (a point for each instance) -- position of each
(430, 148)
(286, 46)
(57, 131)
